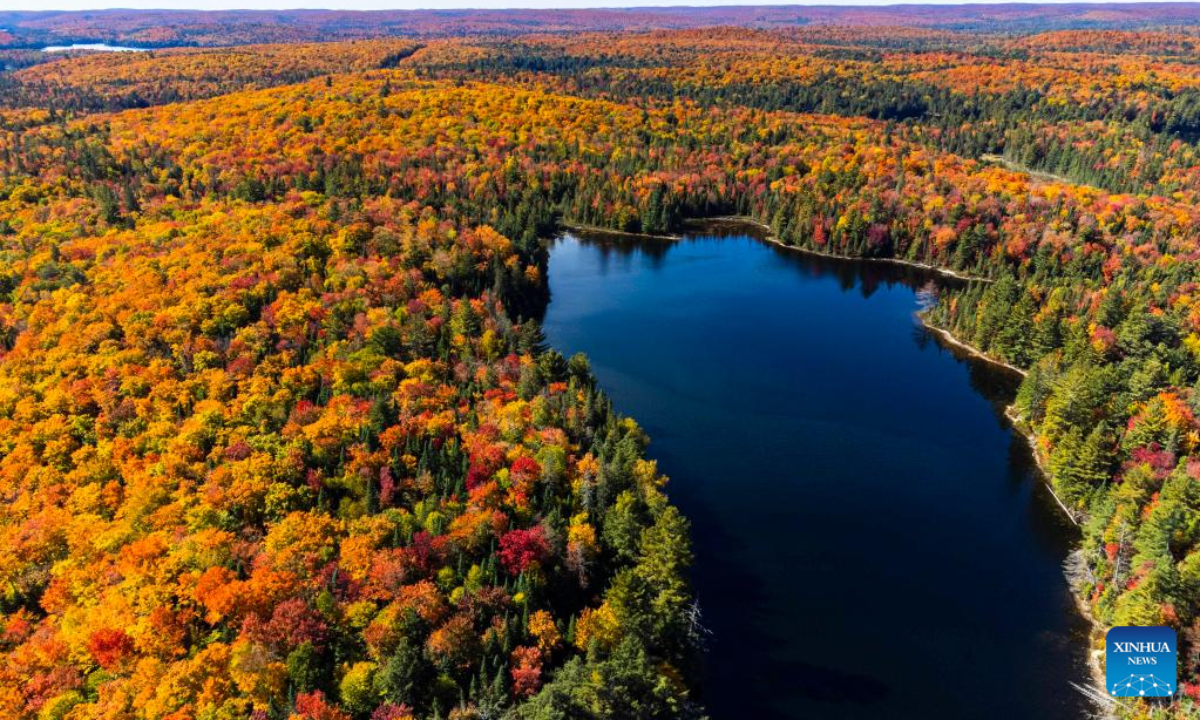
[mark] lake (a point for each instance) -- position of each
(872, 539)
(94, 47)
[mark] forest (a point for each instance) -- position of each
(280, 436)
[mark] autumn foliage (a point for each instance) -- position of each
(279, 437)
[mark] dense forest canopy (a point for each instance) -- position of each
(279, 438)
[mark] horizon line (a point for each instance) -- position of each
(371, 6)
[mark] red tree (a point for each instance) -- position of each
(110, 646)
(521, 548)
(526, 671)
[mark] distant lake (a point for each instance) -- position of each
(872, 540)
(94, 47)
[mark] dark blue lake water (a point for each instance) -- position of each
(871, 538)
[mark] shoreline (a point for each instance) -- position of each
(970, 349)
(770, 238)
(1009, 411)
(946, 336)
(583, 227)
(1074, 567)
(889, 260)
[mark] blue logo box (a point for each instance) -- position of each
(1140, 661)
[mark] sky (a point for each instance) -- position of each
(413, 4)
